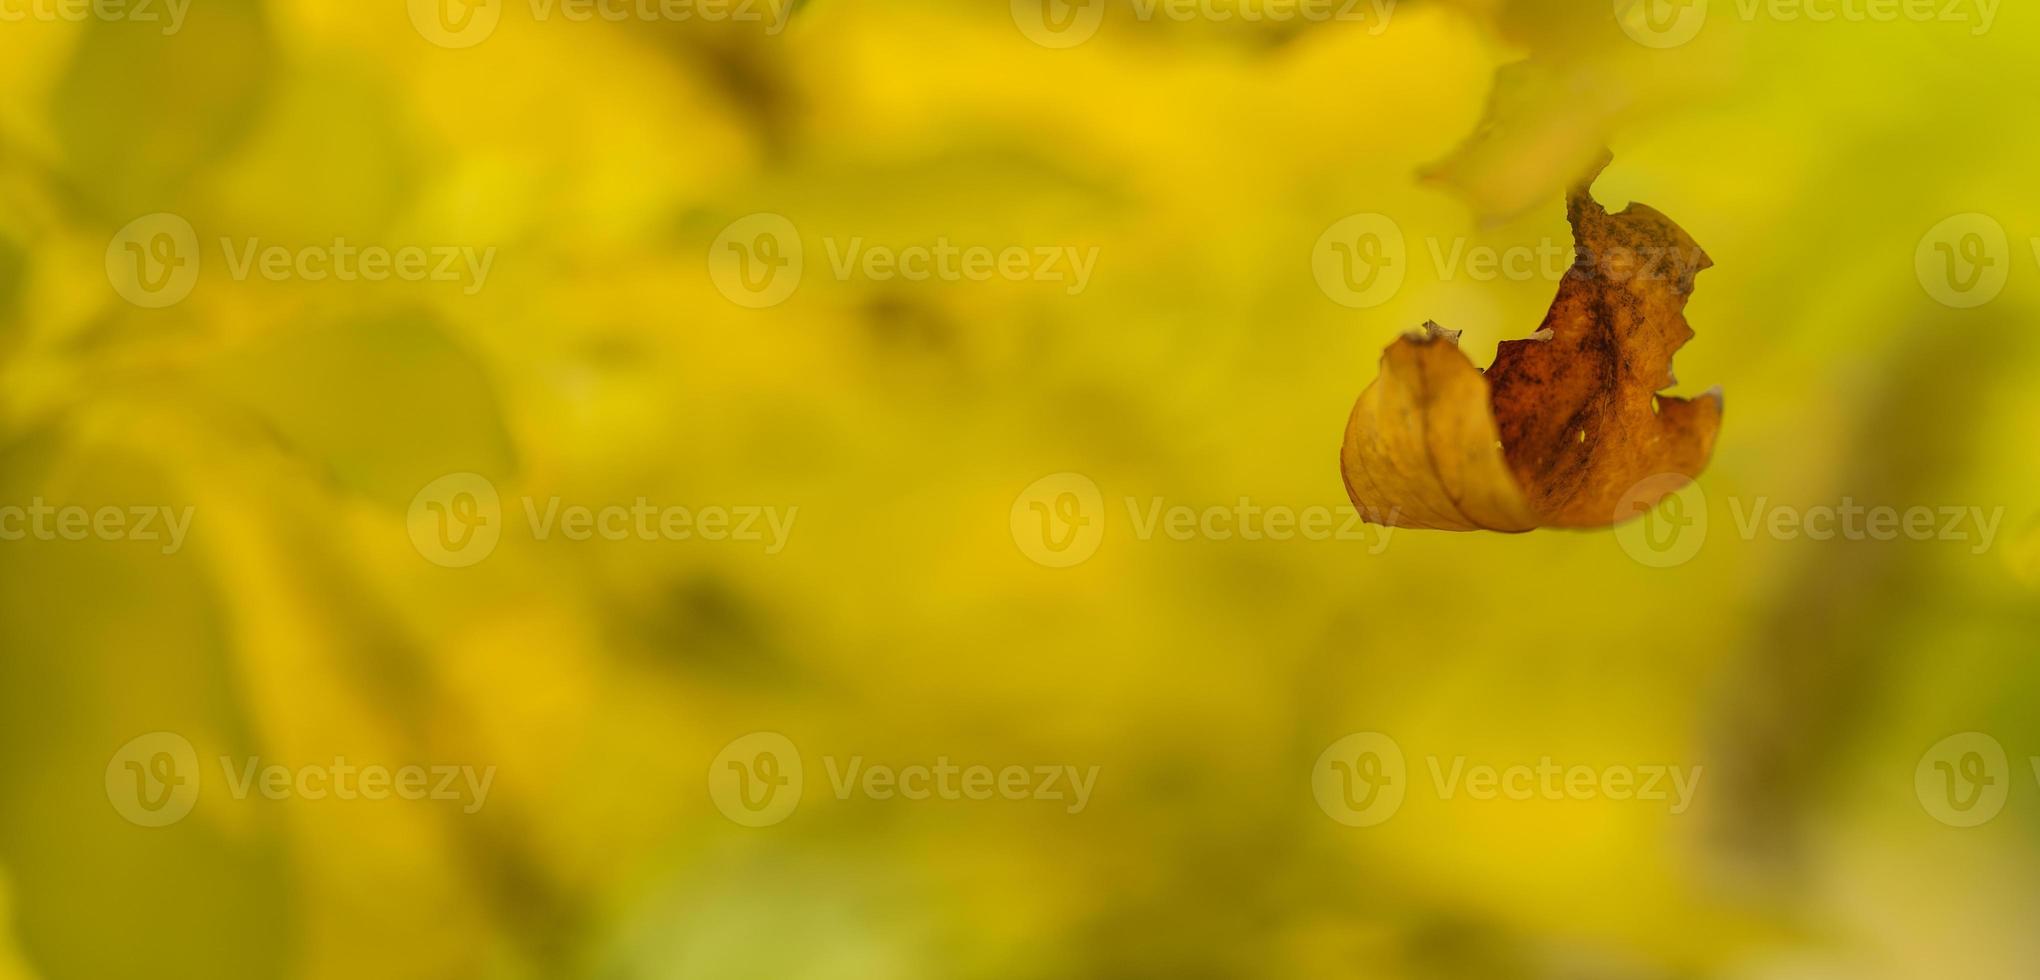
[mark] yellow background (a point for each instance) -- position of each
(905, 621)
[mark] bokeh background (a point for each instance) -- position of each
(906, 620)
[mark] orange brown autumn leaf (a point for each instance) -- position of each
(1565, 427)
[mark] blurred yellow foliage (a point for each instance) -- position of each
(893, 426)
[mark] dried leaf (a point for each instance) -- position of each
(1565, 426)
